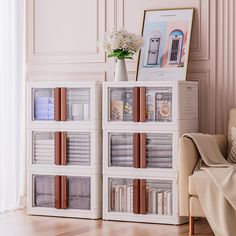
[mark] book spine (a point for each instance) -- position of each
(57, 192)
(136, 107)
(142, 104)
(136, 150)
(63, 148)
(57, 106)
(143, 208)
(63, 192)
(63, 104)
(136, 196)
(57, 147)
(143, 150)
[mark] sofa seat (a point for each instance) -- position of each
(191, 188)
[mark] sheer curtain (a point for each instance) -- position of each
(11, 104)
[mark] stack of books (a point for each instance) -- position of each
(122, 150)
(78, 193)
(44, 108)
(44, 191)
(122, 198)
(78, 148)
(159, 150)
(43, 148)
(78, 101)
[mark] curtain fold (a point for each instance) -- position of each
(11, 104)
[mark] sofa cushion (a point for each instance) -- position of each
(191, 188)
(232, 149)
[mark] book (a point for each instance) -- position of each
(163, 105)
(117, 110)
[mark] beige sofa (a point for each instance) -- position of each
(188, 156)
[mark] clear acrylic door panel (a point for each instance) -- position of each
(121, 149)
(79, 193)
(43, 105)
(159, 104)
(78, 150)
(120, 195)
(159, 149)
(78, 104)
(159, 197)
(43, 191)
(43, 147)
(121, 102)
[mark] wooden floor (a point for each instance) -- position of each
(19, 224)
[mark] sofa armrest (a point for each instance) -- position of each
(188, 158)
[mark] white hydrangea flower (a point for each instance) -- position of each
(123, 41)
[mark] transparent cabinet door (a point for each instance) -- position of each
(43, 147)
(43, 191)
(121, 149)
(158, 106)
(159, 149)
(79, 193)
(43, 104)
(121, 104)
(78, 148)
(78, 104)
(121, 195)
(158, 196)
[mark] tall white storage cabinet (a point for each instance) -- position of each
(142, 122)
(64, 142)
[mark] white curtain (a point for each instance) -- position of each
(12, 144)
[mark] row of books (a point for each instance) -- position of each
(122, 198)
(122, 150)
(78, 149)
(44, 108)
(159, 201)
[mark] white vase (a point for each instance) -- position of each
(121, 72)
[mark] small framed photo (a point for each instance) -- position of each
(165, 54)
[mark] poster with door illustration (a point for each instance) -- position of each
(165, 53)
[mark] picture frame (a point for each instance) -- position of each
(167, 36)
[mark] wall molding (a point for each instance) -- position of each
(96, 54)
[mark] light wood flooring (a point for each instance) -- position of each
(19, 224)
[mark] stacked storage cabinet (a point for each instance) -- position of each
(142, 122)
(64, 149)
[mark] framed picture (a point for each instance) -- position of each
(165, 53)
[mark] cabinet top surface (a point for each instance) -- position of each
(147, 83)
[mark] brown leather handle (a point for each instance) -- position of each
(63, 105)
(57, 148)
(143, 207)
(136, 196)
(63, 192)
(63, 148)
(136, 100)
(143, 163)
(57, 105)
(142, 104)
(57, 180)
(136, 150)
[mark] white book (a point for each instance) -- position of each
(160, 203)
